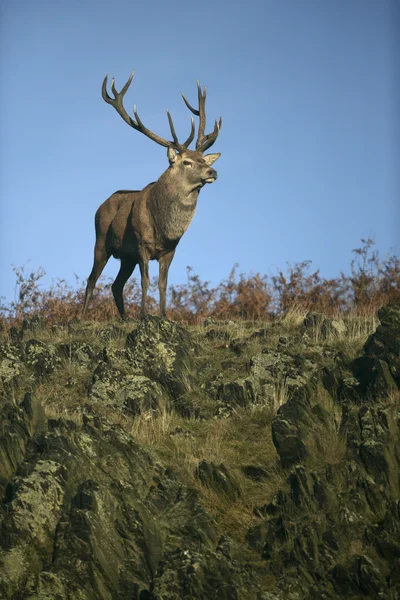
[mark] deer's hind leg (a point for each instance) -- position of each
(125, 271)
(101, 257)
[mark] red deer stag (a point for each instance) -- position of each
(138, 226)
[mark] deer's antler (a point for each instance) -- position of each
(117, 103)
(203, 141)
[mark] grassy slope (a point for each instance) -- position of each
(237, 440)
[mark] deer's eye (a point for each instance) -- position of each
(187, 163)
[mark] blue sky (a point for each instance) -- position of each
(310, 145)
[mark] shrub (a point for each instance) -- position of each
(372, 282)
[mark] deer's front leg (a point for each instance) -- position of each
(144, 258)
(164, 263)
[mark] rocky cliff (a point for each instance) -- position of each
(148, 461)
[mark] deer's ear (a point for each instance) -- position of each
(172, 154)
(211, 158)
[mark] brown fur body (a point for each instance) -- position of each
(138, 226)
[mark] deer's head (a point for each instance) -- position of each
(192, 167)
(189, 166)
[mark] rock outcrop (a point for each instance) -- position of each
(90, 512)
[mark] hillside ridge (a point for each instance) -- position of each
(230, 460)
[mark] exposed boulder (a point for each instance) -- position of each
(271, 373)
(156, 366)
(42, 358)
(11, 365)
(378, 370)
(324, 326)
(271, 368)
(163, 351)
(107, 380)
(361, 576)
(141, 395)
(374, 378)
(18, 425)
(131, 393)
(287, 440)
(375, 373)
(187, 574)
(293, 426)
(338, 378)
(294, 374)
(237, 393)
(373, 439)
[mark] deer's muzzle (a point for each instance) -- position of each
(211, 176)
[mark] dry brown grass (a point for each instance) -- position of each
(243, 439)
(326, 446)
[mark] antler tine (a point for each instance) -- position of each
(202, 115)
(191, 136)
(172, 128)
(203, 141)
(190, 107)
(209, 139)
(187, 143)
(116, 102)
(122, 93)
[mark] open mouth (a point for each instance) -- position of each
(209, 180)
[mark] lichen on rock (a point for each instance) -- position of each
(42, 358)
(10, 367)
(163, 351)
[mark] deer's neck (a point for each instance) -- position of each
(173, 208)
